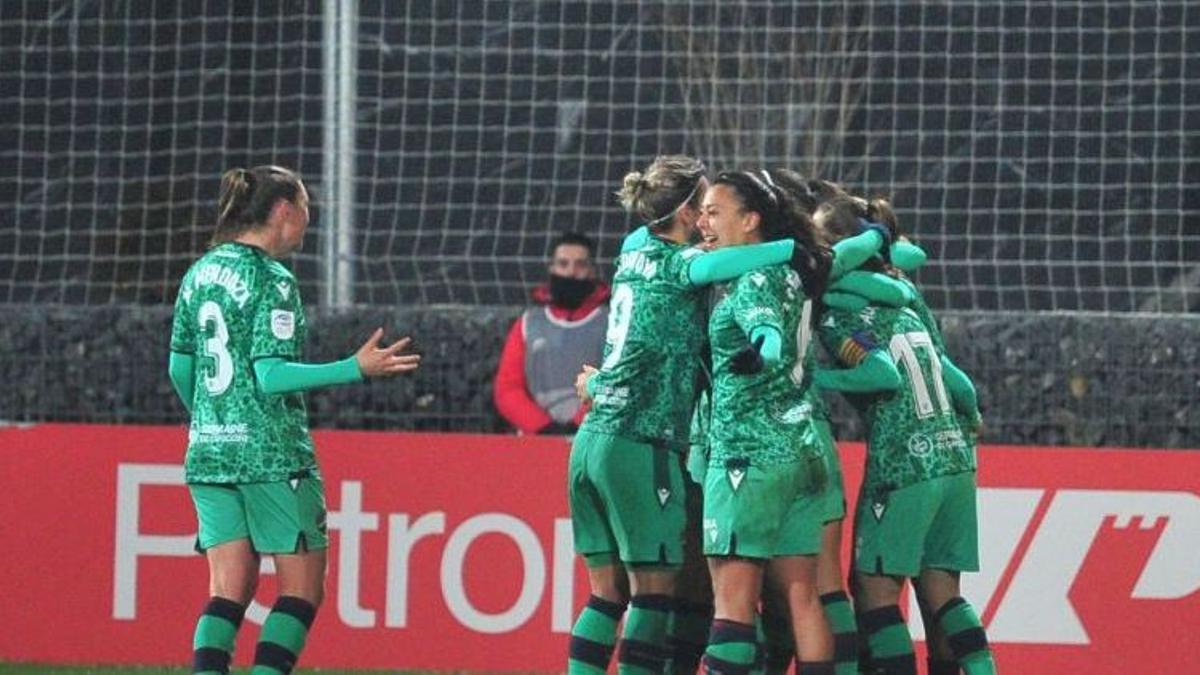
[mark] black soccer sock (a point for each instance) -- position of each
(840, 615)
(891, 646)
(779, 645)
(594, 636)
(967, 639)
(940, 667)
(688, 635)
(732, 648)
(283, 635)
(216, 631)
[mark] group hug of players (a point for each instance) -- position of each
(705, 488)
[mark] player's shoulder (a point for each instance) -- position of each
(277, 271)
(835, 318)
(771, 278)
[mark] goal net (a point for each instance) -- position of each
(1043, 152)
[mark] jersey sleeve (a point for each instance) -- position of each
(277, 315)
(847, 337)
(676, 266)
(183, 323)
(926, 316)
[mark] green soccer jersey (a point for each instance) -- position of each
(237, 305)
(912, 433)
(646, 386)
(763, 417)
(965, 423)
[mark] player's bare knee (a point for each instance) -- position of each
(237, 585)
(652, 582)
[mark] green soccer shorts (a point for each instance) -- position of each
(823, 507)
(928, 525)
(627, 501)
(280, 517)
(764, 512)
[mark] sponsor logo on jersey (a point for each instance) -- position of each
(663, 495)
(284, 289)
(877, 510)
(796, 413)
(283, 324)
(711, 529)
(919, 445)
(735, 470)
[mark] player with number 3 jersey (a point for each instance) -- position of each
(236, 343)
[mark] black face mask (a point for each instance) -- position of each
(568, 292)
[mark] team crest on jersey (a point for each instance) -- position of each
(283, 324)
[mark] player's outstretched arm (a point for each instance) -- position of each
(907, 256)
(181, 369)
(849, 254)
(730, 263)
(875, 373)
(280, 376)
(876, 288)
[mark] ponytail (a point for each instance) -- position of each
(247, 197)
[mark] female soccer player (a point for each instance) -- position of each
(916, 511)
(235, 362)
(625, 476)
(764, 467)
(845, 280)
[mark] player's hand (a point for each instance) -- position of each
(748, 361)
(884, 231)
(376, 360)
(581, 381)
(976, 423)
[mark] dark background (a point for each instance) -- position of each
(1043, 152)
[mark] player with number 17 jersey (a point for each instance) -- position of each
(237, 305)
(913, 435)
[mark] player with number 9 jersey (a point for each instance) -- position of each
(647, 381)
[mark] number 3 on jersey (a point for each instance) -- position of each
(620, 311)
(218, 363)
